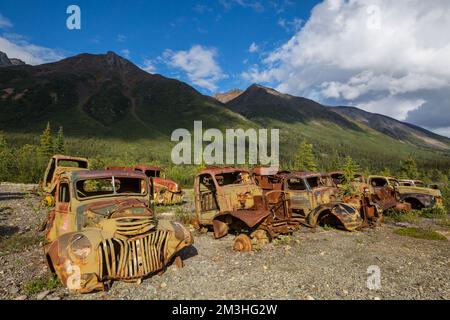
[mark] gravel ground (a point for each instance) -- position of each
(311, 264)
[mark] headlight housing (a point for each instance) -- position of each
(80, 246)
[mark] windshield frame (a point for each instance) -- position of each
(114, 194)
(250, 182)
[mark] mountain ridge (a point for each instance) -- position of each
(98, 93)
(6, 61)
(251, 106)
(107, 99)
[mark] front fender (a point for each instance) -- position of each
(426, 200)
(338, 215)
(78, 274)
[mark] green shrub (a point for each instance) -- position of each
(410, 216)
(432, 213)
(183, 215)
(46, 282)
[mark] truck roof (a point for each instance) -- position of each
(218, 170)
(92, 174)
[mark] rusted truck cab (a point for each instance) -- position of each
(314, 199)
(416, 197)
(103, 229)
(166, 191)
(228, 199)
(56, 166)
(308, 191)
(359, 182)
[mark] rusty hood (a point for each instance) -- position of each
(169, 184)
(249, 218)
(117, 207)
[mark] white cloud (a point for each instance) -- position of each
(17, 47)
(392, 106)
(387, 56)
(252, 4)
(126, 53)
(293, 25)
(444, 131)
(149, 66)
(199, 63)
(5, 22)
(253, 48)
(121, 38)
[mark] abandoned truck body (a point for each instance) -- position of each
(361, 197)
(56, 166)
(359, 182)
(103, 229)
(416, 197)
(228, 199)
(412, 183)
(166, 191)
(314, 199)
(384, 197)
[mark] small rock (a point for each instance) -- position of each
(53, 298)
(42, 295)
(376, 298)
(403, 224)
(163, 285)
(23, 297)
(310, 298)
(14, 290)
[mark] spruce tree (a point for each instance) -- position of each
(408, 169)
(304, 159)
(59, 142)
(6, 159)
(350, 169)
(386, 172)
(46, 142)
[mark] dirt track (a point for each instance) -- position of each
(320, 264)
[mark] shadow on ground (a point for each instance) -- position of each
(11, 196)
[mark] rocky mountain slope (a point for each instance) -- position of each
(228, 96)
(103, 95)
(393, 128)
(260, 103)
(6, 61)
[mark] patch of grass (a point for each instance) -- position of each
(6, 211)
(327, 227)
(46, 282)
(183, 215)
(432, 213)
(17, 242)
(410, 217)
(444, 222)
(283, 240)
(420, 234)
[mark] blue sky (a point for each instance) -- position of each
(144, 30)
(383, 56)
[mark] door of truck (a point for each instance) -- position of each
(206, 203)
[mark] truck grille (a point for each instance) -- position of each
(132, 258)
(134, 226)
